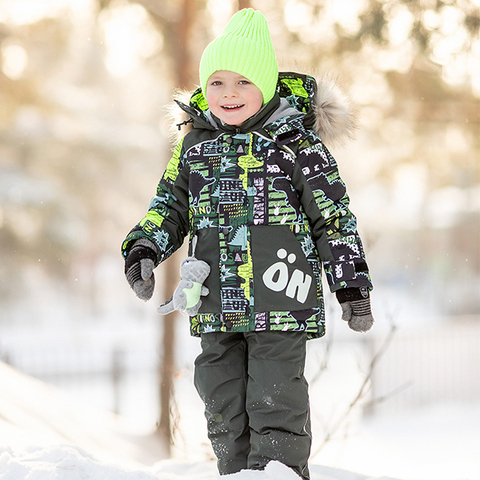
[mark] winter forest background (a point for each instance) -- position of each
(85, 137)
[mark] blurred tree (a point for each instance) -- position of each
(176, 20)
(56, 201)
(412, 70)
(426, 50)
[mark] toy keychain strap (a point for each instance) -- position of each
(194, 242)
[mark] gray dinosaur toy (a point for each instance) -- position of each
(186, 297)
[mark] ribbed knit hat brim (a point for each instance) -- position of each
(243, 47)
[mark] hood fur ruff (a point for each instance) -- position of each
(335, 118)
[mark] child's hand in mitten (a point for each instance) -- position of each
(356, 309)
(139, 266)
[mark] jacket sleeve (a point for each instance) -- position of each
(166, 222)
(334, 227)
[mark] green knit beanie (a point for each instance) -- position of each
(244, 47)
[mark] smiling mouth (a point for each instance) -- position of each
(232, 107)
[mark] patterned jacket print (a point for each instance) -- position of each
(265, 207)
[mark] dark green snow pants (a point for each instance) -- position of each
(256, 399)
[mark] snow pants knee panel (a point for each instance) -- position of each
(256, 399)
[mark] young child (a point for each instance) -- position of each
(264, 206)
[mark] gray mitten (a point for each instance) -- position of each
(356, 309)
(186, 297)
(139, 266)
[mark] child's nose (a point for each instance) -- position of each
(230, 92)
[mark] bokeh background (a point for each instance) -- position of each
(85, 136)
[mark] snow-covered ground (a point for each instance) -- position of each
(47, 435)
(72, 463)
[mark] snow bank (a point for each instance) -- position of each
(61, 463)
(73, 463)
(35, 413)
(47, 435)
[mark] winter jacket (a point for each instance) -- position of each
(266, 208)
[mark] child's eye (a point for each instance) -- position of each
(216, 83)
(244, 82)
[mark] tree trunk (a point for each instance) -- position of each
(176, 20)
(244, 4)
(166, 371)
(177, 34)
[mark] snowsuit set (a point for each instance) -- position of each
(266, 207)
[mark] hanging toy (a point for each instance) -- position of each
(186, 297)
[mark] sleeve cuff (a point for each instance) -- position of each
(352, 294)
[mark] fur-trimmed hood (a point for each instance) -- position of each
(326, 108)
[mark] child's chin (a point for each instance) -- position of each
(234, 121)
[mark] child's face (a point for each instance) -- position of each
(232, 98)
